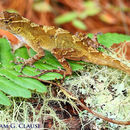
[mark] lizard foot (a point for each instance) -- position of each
(25, 62)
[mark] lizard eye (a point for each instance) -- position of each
(6, 21)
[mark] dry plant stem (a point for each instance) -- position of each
(81, 104)
(47, 71)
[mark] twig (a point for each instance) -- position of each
(66, 92)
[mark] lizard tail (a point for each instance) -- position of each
(102, 59)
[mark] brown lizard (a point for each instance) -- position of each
(61, 43)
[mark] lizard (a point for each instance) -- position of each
(61, 43)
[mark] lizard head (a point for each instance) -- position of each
(8, 20)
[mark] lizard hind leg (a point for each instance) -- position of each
(63, 54)
(60, 56)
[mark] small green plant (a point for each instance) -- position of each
(15, 86)
(109, 39)
(11, 84)
(99, 85)
(91, 9)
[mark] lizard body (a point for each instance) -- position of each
(61, 43)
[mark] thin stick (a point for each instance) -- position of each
(81, 104)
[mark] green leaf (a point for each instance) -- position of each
(109, 39)
(51, 60)
(32, 52)
(42, 6)
(26, 83)
(67, 17)
(90, 35)
(4, 99)
(5, 54)
(13, 89)
(22, 52)
(75, 65)
(79, 24)
(12, 11)
(10, 83)
(91, 9)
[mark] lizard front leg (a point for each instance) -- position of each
(30, 61)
